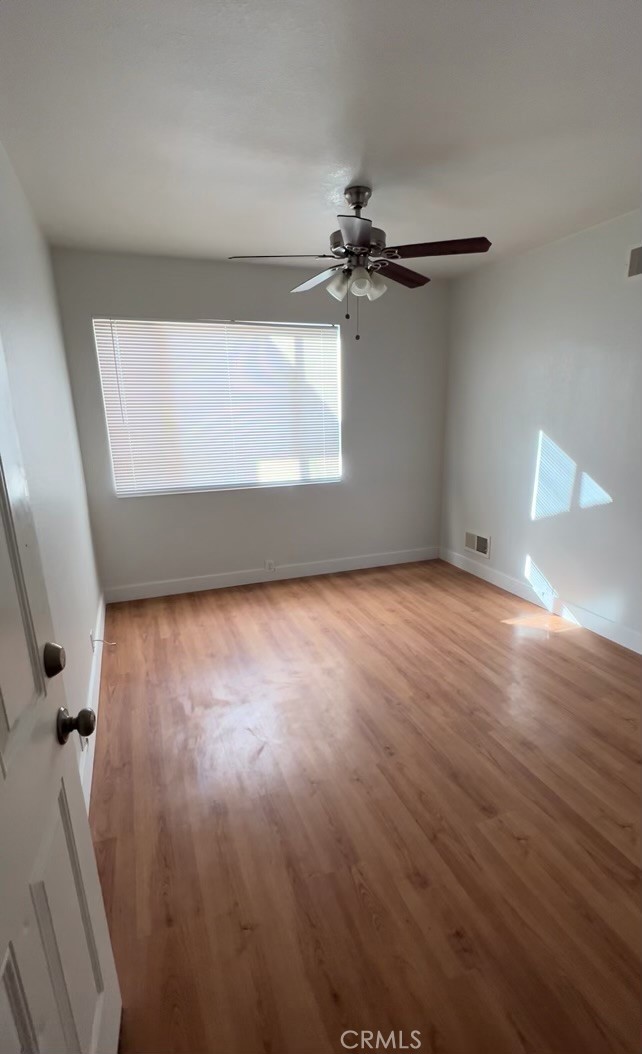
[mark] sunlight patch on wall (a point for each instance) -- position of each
(540, 584)
(553, 489)
(546, 592)
(554, 479)
(591, 493)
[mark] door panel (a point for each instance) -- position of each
(15, 1018)
(17, 675)
(60, 902)
(33, 1014)
(58, 985)
(21, 680)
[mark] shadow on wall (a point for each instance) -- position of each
(558, 488)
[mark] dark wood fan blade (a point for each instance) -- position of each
(447, 248)
(288, 256)
(412, 279)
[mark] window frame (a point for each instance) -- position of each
(154, 492)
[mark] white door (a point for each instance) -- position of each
(58, 985)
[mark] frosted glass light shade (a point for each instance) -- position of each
(360, 283)
(338, 285)
(377, 286)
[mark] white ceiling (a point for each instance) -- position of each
(212, 127)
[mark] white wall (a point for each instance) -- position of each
(386, 508)
(43, 409)
(551, 340)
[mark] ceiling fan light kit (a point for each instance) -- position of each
(376, 286)
(360, 282)
(363, 259)
(338, 285)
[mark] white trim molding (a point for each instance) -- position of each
(86, 759)
(623, 635)
(171, 586)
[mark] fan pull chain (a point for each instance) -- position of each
(348, 303)
(357, 335)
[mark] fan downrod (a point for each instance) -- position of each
(357, 197)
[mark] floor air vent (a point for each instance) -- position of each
(478, 543)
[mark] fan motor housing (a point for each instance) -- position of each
(377, 243)
(377, 240)
(336, 244)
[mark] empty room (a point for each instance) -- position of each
(320, 527)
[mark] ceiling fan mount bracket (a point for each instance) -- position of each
(357, 197)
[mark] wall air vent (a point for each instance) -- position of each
(477, 543)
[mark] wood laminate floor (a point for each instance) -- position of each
(390, 800)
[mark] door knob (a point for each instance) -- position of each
(84, 723)
(54, 658)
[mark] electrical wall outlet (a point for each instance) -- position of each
(270, 565)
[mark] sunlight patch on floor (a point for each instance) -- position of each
(543, 621)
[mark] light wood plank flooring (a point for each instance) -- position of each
(394, 800)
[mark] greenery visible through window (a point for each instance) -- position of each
(220, 405)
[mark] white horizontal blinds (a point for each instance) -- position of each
(204, 405)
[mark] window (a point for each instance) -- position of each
(219, 405)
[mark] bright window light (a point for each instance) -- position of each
(196, 406)
(278, 469)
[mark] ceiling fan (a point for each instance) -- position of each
(363, 259)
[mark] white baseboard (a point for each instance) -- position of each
(171, 586)
(86, 761)
(624, 635)
(490, 574)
